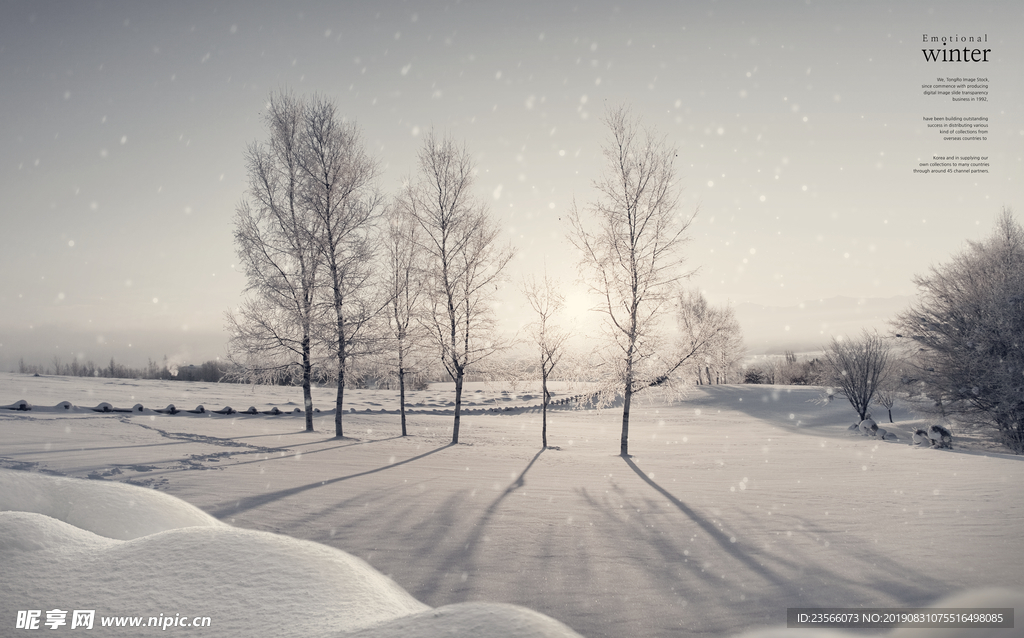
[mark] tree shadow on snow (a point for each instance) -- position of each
(794, 576)
(257, 500)
(461, 559)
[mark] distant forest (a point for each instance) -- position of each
(210, 371)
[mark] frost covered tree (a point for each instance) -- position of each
(404, 284)
(969, 325)
(339, 189)
(709, 337)
(631, 240)
(858, 368)
(272, 330)
(546, 302)
(464, 259)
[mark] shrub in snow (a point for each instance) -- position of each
(64, 404)
(857, 367)
(252, 410)
(21, 405)
(103, 407)
(137, 407)
(199, 410)
(868, 427)
(921, 437)
(940, 437)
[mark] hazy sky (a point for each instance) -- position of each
(798, 125)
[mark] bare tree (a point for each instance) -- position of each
(546, 302)
(728, 349)
(271, 332)
(708, 336)
(340, 191)
(405, 286)
(887, 392)
(465, 260)
(858, 368)
(968, 324)
(632, 251)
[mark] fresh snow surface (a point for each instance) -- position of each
(738, 502)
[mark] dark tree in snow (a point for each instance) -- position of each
(858, 368)
(969, 326)
(272, 330)
(631, 239)
(341, 194)
(546, 302)
(463, 256)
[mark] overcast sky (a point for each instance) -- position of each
(798, 124)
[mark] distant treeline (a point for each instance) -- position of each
(216, 371)
(785, 371)
(210, 371)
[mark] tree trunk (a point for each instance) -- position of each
(307, 394)
(544, 408)
(401, 389)
(458, 404)
(624, 446)
(339, 404)
(628, 392)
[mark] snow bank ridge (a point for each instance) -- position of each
(126, 551)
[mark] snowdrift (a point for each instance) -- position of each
(109, 509)
(126, 551)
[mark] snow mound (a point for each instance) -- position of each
(125, 551)
(249, 583)
(472, 619)
(114, 510)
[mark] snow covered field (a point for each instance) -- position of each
(738, 502)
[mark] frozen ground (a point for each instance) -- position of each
(739, 502)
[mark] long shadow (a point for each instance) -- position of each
(291, 433)
(465, 551)
(257, 500)
(354, 443)
(732, 548)
(737, 550)
(910, 585)
(94, 449)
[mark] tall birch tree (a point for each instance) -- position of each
(341, 193)
(546, 302)
(464, 258)
(405, 288)
(272, 330)
(631, 239)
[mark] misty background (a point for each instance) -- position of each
(797, 126)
